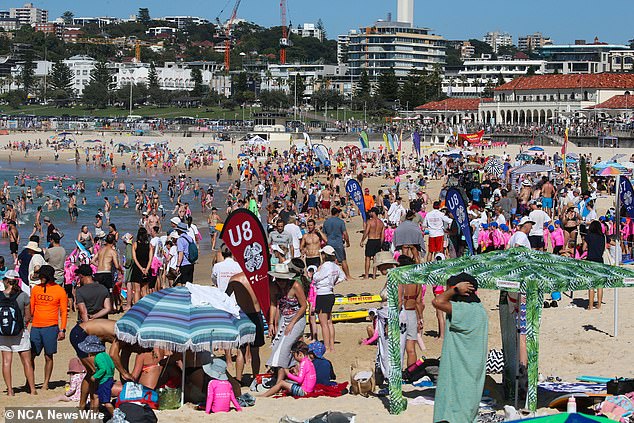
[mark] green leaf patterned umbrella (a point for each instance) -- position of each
(530, 272)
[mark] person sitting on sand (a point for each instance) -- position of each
(301, 383)
(323, 367)
(220, 394)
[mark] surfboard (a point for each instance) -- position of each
(82, 248)
(594, 379)
(583, 400)
(360, 299)
(347, 316)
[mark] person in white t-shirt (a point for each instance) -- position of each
(539, 217)
(222, 271)
(295, 232)
(520, 238)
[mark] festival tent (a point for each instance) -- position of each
(529, 272)
(536, 148)
(531, 168)
(257, 140)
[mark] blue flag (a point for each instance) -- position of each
(455, 205)
(627, 196)
(354, 190)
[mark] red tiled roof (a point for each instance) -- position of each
(452, 104)
(616, 102)
(571, 81)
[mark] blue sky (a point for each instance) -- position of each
(563, 20)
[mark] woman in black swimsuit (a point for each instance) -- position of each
(142, 254)
(571, 224)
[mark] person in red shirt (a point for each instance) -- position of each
(49, 310)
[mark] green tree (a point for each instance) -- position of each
(101, 74)
(139, 95)
(409, 93)
(67, 17)
(61, 80)
(488, 89)
(481, 47)
(296, 86)
(501, 80)
(274, 99)
(27, 73)
(388, 85)
(152, 77)
(325, 96)
(144, 16)
(320, 26)
(364, 88)
(15, 98)
(96, 95)
(197, 78)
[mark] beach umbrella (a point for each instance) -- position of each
(535, 148)
(610, 171)
(168, 319)
(603, 165)
(524, 157)
(494, 167)
(529, 272)
(569, 418)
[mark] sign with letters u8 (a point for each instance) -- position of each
(244, 236)
(353, 188)
(455, 204)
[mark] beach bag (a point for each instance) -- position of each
(11, 320)
(362, 380)
(135, 392)
(169, 398)
(415, 371)
(495, 362)
(619, 386)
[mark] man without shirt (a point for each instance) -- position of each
(311, 243)
(106, 260)
(241, 289)
(374, 233)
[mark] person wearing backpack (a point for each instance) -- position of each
(15, 315)
(187, 255)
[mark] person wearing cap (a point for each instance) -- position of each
(323, 367)
(539, 217)
(520, 237)
(220, 394)
(37, 261)
(336, 235)
(464, 351)
(327, 276)
(436, 222)
(104, 371)
(184, 266)
(373, 231)
(49, 308)
(20, 343)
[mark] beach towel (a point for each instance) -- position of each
(573, 387)
(334, 391)
(209, 295)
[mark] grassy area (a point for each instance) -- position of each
(146, 111)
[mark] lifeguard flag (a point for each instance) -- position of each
(564, 147)
(244, 236)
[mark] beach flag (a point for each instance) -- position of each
(390, 137)
(386, 141)
(307, 140)
(244, 236)
(456, 206)
(364, 140)
(564, 147)
(348, 151)
(626, 196)
(353, 188)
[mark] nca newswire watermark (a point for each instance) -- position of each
(51, 414)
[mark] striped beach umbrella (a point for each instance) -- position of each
(494, 167)
(610, 171)
(167, 319)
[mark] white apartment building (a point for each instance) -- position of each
(80, 66)
(100, 21)
(160, 30)
(307, 30)
(394, 45)
(28, 14)
(182, 21)
(278, 77)
(498, 39)
(342, 48)
(472, 79)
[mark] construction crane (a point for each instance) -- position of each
(284, 41)
(119, 42)
(228, 28)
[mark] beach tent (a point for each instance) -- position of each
(536, 148)
(257, 140)
(532, 273)
(531, 168)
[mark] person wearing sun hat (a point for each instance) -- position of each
(183, 265)
(49, 308)
(37, 261)
(220, 394)
(104, 369)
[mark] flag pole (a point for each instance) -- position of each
(617, 248)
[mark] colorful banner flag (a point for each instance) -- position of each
(307, 140)
(564, 146)
(321, 152)
(348, 151)
(456, 206)
(356, 154)
(243, 234)
(416, 141)
(626, 196)
(472, 138)
(387, 142)
(353, 188)
(364, 140)
(390, 138)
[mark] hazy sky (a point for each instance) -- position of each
(563, 20)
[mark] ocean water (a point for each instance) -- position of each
(126, 220)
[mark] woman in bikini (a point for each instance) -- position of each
(571, 224)
(410, 301)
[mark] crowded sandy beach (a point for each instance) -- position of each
(166, 196)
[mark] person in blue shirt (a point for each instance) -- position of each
(325, 373)
(475, 195)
